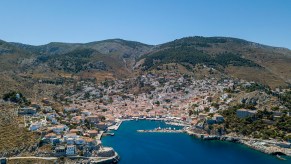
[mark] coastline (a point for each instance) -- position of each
(264, 146)
(128, 147)
(96, 160)
(108, 160)
(260, 145)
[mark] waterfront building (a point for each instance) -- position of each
(92, 133)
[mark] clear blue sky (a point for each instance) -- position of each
(150, 21)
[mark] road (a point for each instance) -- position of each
(44, 158)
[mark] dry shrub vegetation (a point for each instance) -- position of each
(14, 139)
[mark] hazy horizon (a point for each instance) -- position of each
(140, 41)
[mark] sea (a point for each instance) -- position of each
(178, 148)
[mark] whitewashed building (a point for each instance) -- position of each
(71, 150)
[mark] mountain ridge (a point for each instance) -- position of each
(118, 58)
(105, 40)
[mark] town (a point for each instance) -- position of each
(90, 111)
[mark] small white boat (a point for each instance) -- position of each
(278, 156)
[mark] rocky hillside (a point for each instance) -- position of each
(14, 138)
(235, 57)
(22, 66)
(109, 52)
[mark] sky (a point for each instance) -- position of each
(39, 22)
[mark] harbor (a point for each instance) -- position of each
(259, 145)
(152, 145)
(264, 146)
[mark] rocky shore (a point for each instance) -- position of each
(265, 146)
(109, 160)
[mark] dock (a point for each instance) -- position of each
(99, 136)
(115, 126)
(161, 131)
(108, 134)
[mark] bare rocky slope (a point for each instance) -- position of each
(23, 66)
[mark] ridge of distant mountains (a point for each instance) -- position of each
(117, 58)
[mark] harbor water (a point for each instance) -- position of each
(171, 148)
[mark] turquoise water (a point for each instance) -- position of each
(147, 148)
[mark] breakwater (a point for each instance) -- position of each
(161, 131)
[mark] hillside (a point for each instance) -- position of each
(124, 51)
(14, 138)
(23, 66)
(235, 57)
